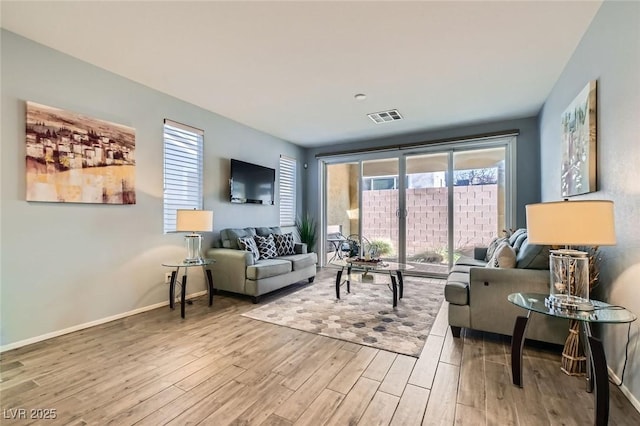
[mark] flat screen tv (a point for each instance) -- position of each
(251, 183)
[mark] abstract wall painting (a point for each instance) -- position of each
(578, 173)
(72, 158)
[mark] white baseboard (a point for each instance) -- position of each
(57, 333)
(625, 390)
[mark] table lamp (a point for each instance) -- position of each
(194, 221)
(570, 223)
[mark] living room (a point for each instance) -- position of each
(66, 267)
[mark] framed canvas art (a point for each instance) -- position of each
(578, 173)
(72, 158)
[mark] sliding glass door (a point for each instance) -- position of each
(380, 206)
(342, 195)
(479, 207)
(425, 208)
(427, 212)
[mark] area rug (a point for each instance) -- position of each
(364, 316)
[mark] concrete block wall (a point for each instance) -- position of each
(475, 217)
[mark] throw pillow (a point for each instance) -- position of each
(284, 244)
(249, 244)
(504, 257)
(266, 246)
(493, 245)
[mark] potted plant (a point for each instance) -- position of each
(307, 231)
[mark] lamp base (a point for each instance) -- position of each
(568, 302)
(194, 244)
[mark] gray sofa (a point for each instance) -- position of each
(235, 270)
(477, 294)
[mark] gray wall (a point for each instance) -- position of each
(527, 163)
(609, 53)
(64, 265)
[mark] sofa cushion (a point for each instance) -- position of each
(229, 236)
(514, 236)
(301, 261)
(519, 241)
(456, 290)
(533, 256)
(504, 257)
(265, 231)
(249, 244)
(461, 268)
(265, 268)
(285, 244)
(469, 261)
(266, 246)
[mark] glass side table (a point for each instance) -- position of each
(204, 264)
(596, 360)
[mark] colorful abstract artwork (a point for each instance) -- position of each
(72, 158)
(578, 174)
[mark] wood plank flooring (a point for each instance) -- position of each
(217, 367)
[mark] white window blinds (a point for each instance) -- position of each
(287, 191)
(183, 146)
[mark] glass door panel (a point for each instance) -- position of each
(342, 201)
(427, 224)
(379, 206)
(479, 198)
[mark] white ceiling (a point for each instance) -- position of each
(291, 69)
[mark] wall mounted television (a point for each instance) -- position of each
(251, 183)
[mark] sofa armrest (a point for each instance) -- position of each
(300, 248)
(491, 311)
(480, 253)
(230, 268)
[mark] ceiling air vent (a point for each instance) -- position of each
(385, 116)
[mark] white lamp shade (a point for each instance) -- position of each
(571, 223)
(194, 221)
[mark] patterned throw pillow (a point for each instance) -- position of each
(493, 245)
(284, 244)
(266, 246)
(503, 257)
(249, 244)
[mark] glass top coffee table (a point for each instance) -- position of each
(394, 269)
(602, 313)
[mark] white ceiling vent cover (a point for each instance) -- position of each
(385, 116)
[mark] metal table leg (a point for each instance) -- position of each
(598, 358)
(207, 274)
(517, 345)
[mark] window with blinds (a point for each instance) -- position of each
(287, 191)
(183, 146)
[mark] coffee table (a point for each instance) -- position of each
(394, 269)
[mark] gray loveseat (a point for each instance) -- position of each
(236, 270)
(477, 295)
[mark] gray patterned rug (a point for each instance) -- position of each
(365, 316)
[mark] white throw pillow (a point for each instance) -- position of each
(503, 257)
(249, 244)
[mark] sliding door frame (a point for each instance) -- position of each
(508, 141)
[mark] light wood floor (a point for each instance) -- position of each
(217, 367)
